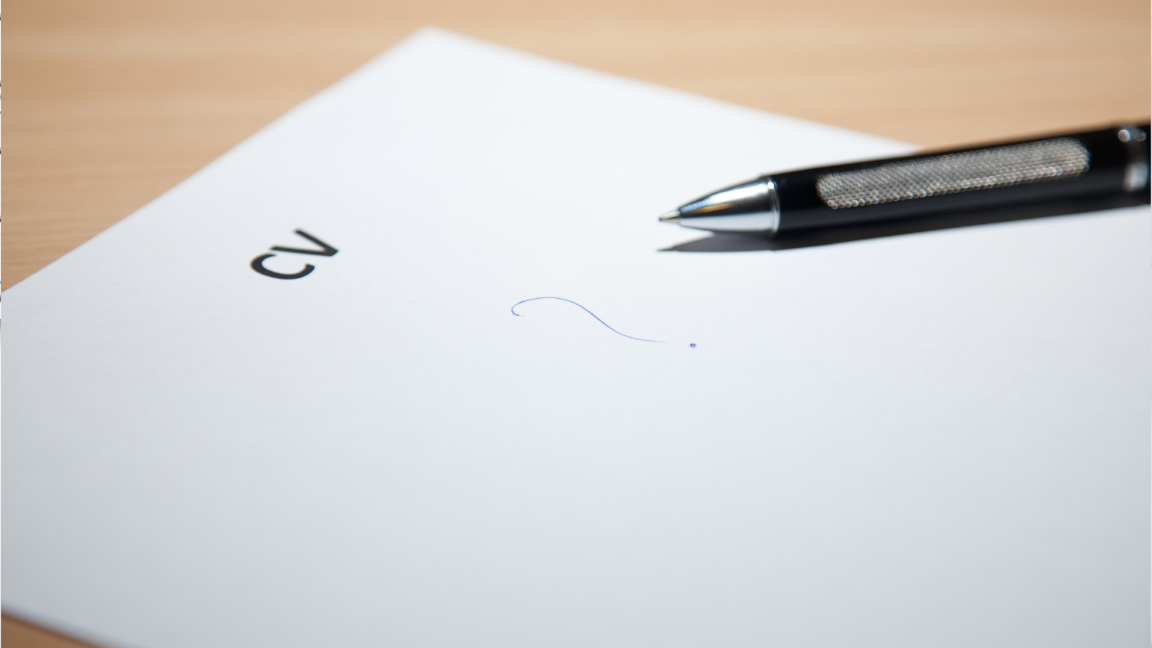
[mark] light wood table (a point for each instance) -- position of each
(113, 103)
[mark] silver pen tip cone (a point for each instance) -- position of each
(671, 217)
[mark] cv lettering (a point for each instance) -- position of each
(322, 249)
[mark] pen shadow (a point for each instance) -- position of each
(832, 235)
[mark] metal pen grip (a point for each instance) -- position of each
(1041, 161)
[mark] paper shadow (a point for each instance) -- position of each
(846, 234)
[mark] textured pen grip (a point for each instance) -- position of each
(1034, 162)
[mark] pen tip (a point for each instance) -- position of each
(671, 217)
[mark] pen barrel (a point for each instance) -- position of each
(1111, 160)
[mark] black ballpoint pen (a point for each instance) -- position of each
(1112, 160)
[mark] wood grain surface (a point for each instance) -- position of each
(112, 103)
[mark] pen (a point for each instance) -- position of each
(1071, 165)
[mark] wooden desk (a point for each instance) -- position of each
(112, 103)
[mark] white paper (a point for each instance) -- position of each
(938, 439)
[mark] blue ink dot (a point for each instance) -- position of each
(693, 345)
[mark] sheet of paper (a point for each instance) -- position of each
(936, 439)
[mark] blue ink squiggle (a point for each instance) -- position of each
(586, 311)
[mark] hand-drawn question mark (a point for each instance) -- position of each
(693, 345)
